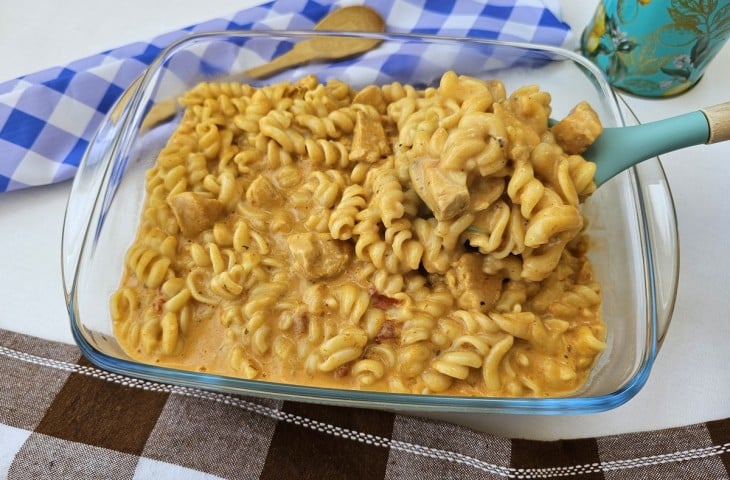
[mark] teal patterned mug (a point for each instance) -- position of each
(656, 48)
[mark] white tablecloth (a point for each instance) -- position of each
(690, 382)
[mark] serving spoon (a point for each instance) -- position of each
(620, 148)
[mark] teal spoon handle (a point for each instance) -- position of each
(620, 148)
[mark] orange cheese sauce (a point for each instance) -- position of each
(313, 234)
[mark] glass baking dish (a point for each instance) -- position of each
(631, 218)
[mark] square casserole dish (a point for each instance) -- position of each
(631, 219)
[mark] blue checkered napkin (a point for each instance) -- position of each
(48, 118)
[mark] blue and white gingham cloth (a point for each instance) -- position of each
(48, 118)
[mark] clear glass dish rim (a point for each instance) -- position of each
(343, 397)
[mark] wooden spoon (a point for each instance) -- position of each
(350, 19)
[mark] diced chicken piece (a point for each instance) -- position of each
(263, 193)
(194, 212)
(317, 255)
(371, 95)
(468, 271)
(446, 196)
(486, 191)
(577, 131)
(369, 143)
(474, 288)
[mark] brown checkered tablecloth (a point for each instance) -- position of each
(63, 418)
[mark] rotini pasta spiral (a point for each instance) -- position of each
(342, 221)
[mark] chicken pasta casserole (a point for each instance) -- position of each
(390, 238)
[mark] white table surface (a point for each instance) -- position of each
(690, 382)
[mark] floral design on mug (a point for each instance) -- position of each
(651, 54)
(607, 38)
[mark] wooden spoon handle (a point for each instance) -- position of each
(718, 119)
(355, 18)
(300, 53)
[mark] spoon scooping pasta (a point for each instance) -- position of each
(619, 148)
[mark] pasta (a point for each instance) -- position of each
(392, 239)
